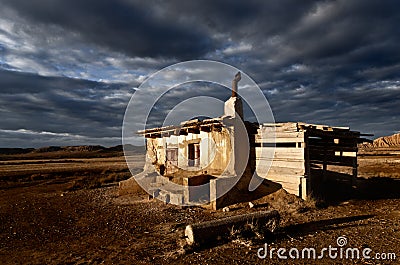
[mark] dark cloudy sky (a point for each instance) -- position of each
(68, 68)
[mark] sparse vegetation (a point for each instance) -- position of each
(91, 181)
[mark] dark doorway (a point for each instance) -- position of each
(194, 155)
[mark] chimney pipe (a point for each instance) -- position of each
(235, 82)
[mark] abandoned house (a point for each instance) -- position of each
(293, 155)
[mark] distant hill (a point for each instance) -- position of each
(80, 148)
(15, 151)
(392, 141)
(68, 151)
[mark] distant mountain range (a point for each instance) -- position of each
(392, 141)
(71, 149)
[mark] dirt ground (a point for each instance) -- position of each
(49, 214)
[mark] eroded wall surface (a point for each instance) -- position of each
(215, 149)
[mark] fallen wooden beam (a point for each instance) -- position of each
(211, 231)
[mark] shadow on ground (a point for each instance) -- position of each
(321, 225)
(334, 191)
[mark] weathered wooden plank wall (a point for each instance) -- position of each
(299, 147)
(287, 165)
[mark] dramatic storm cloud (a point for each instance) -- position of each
(68, 68)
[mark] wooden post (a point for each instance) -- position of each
(355, 168)
(308, 178)
(324, 163)
(304, 188)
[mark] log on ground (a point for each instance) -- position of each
(211, 231)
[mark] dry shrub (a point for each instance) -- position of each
(34, 177)
(388, 175)
(286, 202)
(310, 203)
(84, 183)
(114, 177)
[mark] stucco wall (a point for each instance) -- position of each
(215, 153)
